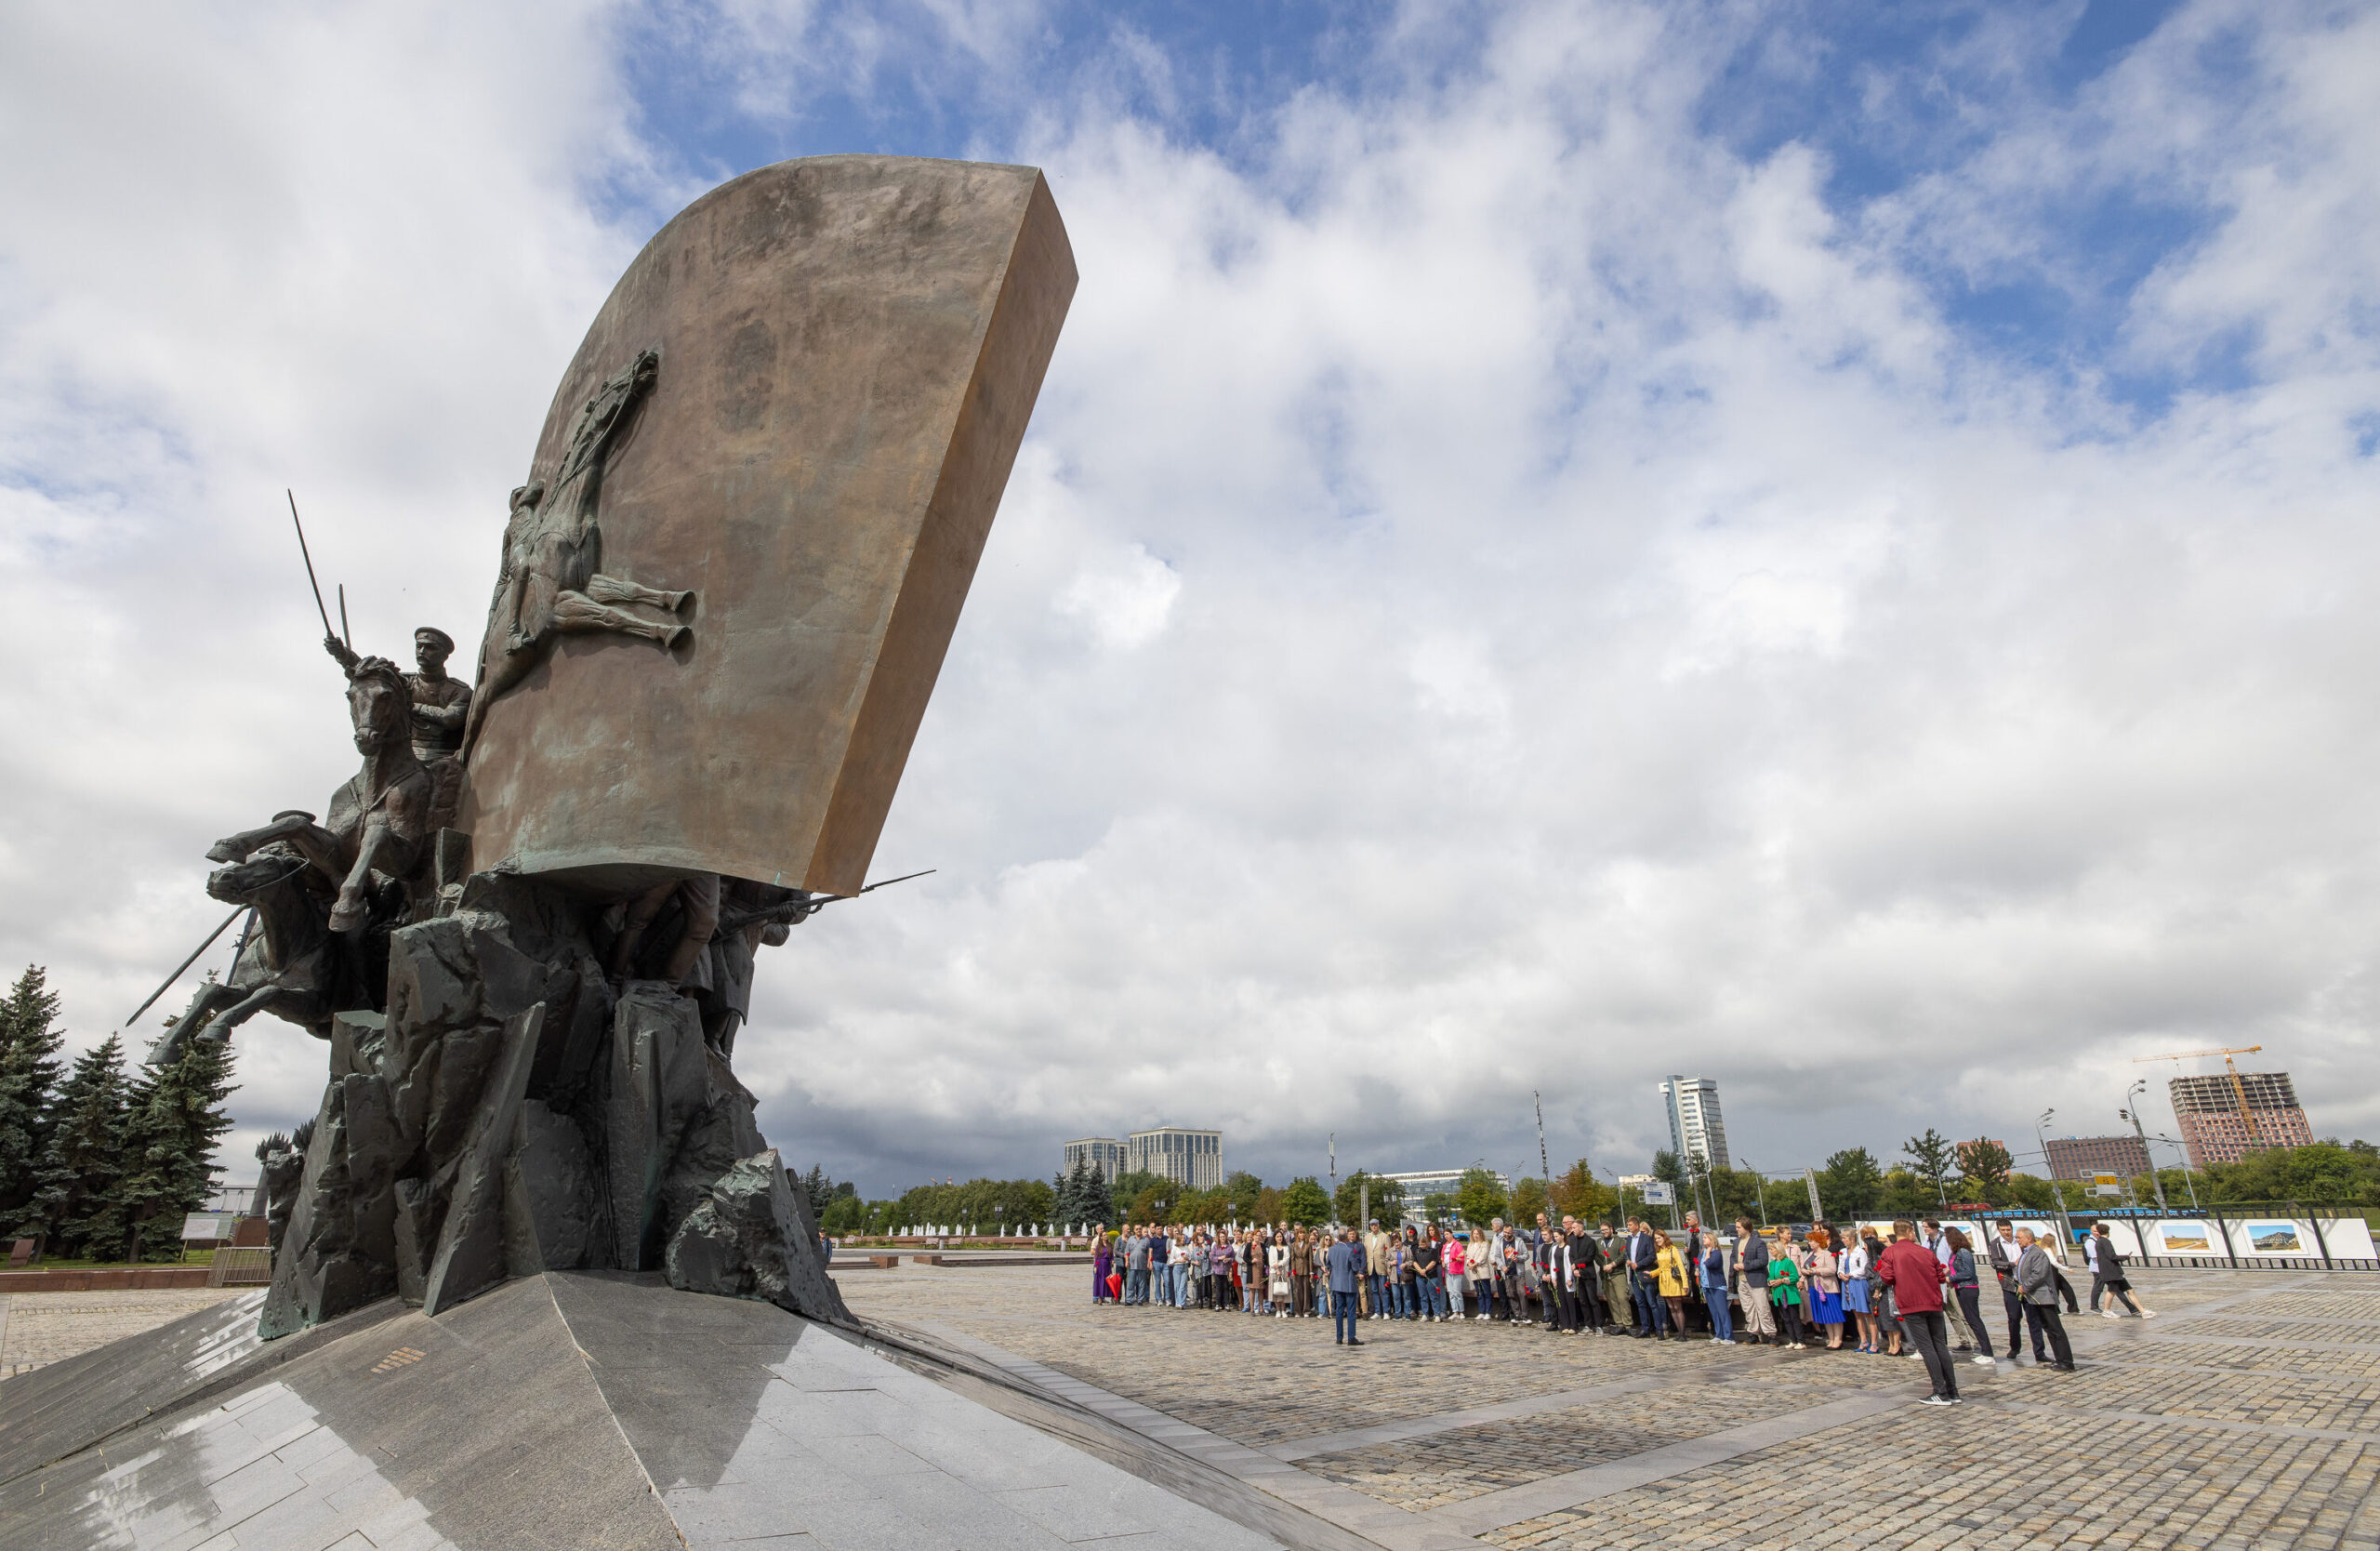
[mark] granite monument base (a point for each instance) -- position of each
(562, 1408)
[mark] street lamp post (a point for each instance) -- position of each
(2131, 1111)
(1758, 1187)
(2057, 1194)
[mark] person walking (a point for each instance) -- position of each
(1966, 1283)
(1713, 1267)
(1915, 1277)
(2106, 1274)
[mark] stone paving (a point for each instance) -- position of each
(37, 1328)
(2246, 1415)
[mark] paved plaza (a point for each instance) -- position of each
(40, 1328)
(2242, 1417)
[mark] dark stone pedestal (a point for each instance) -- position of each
(511, 1114)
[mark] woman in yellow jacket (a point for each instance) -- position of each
(1673, 1278)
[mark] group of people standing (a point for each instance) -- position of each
(1915, 1289)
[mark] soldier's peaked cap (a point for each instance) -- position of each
(445, 642)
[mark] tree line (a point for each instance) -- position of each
(1931, 1174)
(99, 1162)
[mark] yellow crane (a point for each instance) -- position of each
(2239, 1088)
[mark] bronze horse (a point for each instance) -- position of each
(325, 895)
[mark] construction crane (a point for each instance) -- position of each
(2239, 1088)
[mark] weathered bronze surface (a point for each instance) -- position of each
(725, 593)
(848, 350)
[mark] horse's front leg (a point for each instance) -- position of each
(218, 1029)
(353, 908)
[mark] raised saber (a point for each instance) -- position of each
(342, 617)
(310, 580)
(183, 966)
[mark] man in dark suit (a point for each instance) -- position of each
(2005, 1252)
(1553, 1269)
(1642, 1261)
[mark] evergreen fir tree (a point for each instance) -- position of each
(79, 1162)
(173, 1123)
(29, 1046)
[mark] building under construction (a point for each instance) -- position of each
(2224, 1119)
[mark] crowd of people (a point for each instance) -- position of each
(1915, 1289)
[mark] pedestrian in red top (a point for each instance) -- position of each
(1915, 1277)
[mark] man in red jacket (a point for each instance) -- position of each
(1915, 1277)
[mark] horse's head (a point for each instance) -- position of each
(246, 882)
(380, 704)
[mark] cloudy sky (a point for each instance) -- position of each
(1831, 547)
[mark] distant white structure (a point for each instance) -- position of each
(1695, 1130)
(1189, 1158)
(1103, 1153)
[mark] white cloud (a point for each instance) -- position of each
(1502, 593)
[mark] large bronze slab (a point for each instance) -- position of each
(850, 348)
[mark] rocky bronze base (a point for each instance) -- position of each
(511, 1114)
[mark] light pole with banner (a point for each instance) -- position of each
(2059, 1196)
(1759, 1188)
(2131, 1111)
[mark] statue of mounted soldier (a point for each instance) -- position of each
(326, 893)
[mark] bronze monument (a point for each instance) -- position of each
(527, 926)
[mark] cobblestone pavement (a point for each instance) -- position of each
(2246, 1415)
(37, 1328)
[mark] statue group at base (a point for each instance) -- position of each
(527, 927)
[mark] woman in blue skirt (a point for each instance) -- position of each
(1822, 1279)
(1859, 1263)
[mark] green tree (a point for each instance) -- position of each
(1127, 1188)
(1304, 1203)
(1983, 1170)
(1933, 1159)
(844, 1215)
(2324, 1173)
(172, 1123)
(30, 1041)
(1529, 1199)
(1736, 1193)
(1481, 1199)
(1241, 1192)
(2028, 1193)
(1668, 1168)
(1851, 1184)
(1268, 1205)
(1578, 1193)
(1387, 1197)
(79, 1163)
